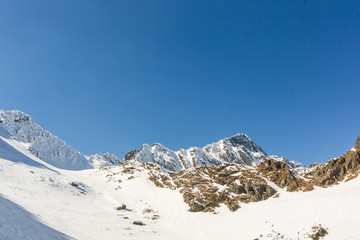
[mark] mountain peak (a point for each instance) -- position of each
(235, 149)
(42, 143)
(8, 116)
(241, 139)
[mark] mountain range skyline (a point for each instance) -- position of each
(45, 145)
(112, 76)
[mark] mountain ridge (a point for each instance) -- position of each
(255, 190)
(238, 148)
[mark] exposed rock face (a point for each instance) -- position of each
(205, 188)
(236, 149)
(338, 169)
(284, 175)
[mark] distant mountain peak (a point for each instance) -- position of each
(104, 159)
(235, 149)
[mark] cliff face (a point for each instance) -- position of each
(284, 174)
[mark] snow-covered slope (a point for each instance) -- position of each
(236, 149)
(51, 203)
(17, 223)
(40, 201)
(42, 143)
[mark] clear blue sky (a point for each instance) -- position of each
(108, 76)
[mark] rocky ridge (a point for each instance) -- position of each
(104, 159)
(339, 169)
(205, 188)
(239, 149)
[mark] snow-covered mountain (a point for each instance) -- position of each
(236, 149)
(226, 190)
(103, 160)
(136, 200)
(44, 145)
(48, 147)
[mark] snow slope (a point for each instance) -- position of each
(17, 223)
(46, 146)
(42, 143)
(43, 199)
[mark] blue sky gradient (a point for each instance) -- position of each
(108, 76)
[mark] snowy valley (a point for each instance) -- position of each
(229, 189)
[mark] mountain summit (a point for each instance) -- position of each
(236, 149)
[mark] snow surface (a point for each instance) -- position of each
(38, 202)
(17, 223)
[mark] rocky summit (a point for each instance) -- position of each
(239, 149)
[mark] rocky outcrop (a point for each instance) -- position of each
(283, 174)
(205, 188)
(338, 169)
(317, 232)
(287, 176)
